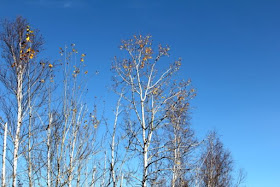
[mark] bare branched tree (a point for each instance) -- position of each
(148, 88)
(21, 75)
(74, 134)
(181, 137)
(49, 131)
(216, 169)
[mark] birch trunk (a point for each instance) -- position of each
(145, 147)
(71, 167)
(4, 156)
(29, 152)
(104, 170)
(113, 144)
(19, 123)
(174, 173)
(79, 174)
(93, 177)
(29, 137)
(121, 181)
(49, 150)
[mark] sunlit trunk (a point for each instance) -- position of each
(49, 150)
(4, 156)
(18, 128)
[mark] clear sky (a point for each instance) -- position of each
(230, 49)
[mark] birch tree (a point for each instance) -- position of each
(119, 155)
(147, 85)
(217, 164)
(182, 141)
(4, 150)
(74, 135)
(20, 75)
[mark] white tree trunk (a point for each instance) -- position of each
(71, 165)
(29, 154)
(113, 173)
(18, 128)
(49, 150)
(4, 156)
(29, 132)
(121, 181)
(145, 146)
(104, 170)
(93, 177)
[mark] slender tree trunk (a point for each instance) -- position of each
(104, 170)
(145, 147)
(29, 152)
(29, 131)
(18, 128)
(113, 144)
(71, 165)
(174, 173)
(93, 177)
(145, 164)
(79, 174)
(49, 150)
(113, 159)
(121, 180)
(4, 156)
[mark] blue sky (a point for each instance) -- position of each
(230, 49)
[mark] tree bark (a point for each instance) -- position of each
(18, 128)
(4, 156)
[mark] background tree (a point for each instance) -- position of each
(182, 141)
(217, 164)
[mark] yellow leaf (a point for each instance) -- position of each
(148, 50)
(50, 65)
(146, 57)
(82, 59)
(28, 38)
(83, 55)
(31, 55)
(86, 72)
(181, 98)
(155, 91)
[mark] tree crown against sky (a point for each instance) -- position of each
(151, 143)
(229, 49)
